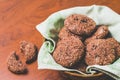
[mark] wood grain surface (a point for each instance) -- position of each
(18, 19)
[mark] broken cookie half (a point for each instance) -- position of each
(29, 50)
(15, 65)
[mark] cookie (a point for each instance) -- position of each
(29, 50)
(80, 24)
(101, 33)
(64, 33)
(115, 44)
(68, 51)
(100, 51)
(15, 65)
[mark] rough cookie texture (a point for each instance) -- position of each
(101, 33)
(100, 52)
(80, 24)
(29, 50)
(115, 44)
(14, 64)
(64, 33)
(68, 51)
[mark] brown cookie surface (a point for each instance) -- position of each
(68, 51)
(80, 24)
(100, 51)
(14, 64)
(29, 50)
(64, 33)
(101, 33)
(115, 44)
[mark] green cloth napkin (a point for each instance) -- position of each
(52, 25)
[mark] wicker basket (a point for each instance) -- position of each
(77, 76)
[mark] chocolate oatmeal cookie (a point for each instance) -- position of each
(101, 33)
(15, 65)
(68, 51)
(115, 44)
(100, 51)
(80, 24)
(64, 33)
(29, 50)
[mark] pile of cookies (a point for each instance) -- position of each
(29, 51)
(82, 42)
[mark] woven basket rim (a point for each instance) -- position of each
(81, 75)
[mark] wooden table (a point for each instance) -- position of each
(18, 19)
